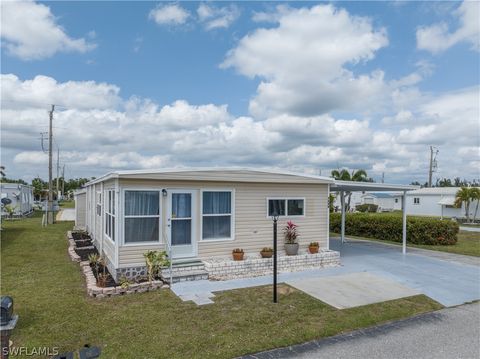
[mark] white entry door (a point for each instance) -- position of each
(181, 223)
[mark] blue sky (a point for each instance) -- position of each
(381, 77)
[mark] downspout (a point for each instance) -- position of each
(102, 217)
(342, 234)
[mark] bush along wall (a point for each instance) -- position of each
(420, 230)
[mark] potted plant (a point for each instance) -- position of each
(238, 254)
(266, 252)
(313, 247)
(290, 235)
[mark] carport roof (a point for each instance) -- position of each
(370, 186)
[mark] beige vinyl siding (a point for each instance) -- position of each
(80, 209)
(252, 227)
(131, 256)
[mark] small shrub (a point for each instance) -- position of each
(314, 244)
(155, 260)
(237, 250)
(420, 230)
(267, 249)
(367, 207)
(290, 233)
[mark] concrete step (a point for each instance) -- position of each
(184, 275)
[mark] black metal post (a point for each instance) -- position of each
(275, 300)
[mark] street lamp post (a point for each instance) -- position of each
(275, 220)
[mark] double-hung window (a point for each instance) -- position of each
(217, 215)
(110, 214)
(416, 200)
(142, 216)
(99, 203)
(289, 207)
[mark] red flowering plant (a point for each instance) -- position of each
(290, 233)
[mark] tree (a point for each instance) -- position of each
(39, 188)
(2, 173)
(475, 196)
(356, 176)
(463, 196)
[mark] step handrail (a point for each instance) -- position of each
(170, 259)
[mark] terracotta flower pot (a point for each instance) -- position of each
(238, 256)
(291, 249)
(313, 249)
(266, 254)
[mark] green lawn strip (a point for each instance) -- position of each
(468, 243)
(67, 204)
(50, 297)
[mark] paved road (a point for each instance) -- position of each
(445, 334)
(470, 229)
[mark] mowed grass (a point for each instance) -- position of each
(468, 243)
(67, 204)
(50, 298)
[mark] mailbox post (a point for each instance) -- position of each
(7, 324)
(275, 220)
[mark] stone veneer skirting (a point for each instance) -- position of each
(98, 292)
(226, 268)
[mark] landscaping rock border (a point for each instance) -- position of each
(98, 292)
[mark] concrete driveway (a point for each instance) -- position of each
(449, 279)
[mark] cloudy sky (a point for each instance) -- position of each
(299, 86)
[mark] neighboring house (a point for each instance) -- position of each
(199, 213)
(436, 201)
(386, 202)
(356, 199)
(21, 197)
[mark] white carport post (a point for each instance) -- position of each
(404, 222)
(342, 234)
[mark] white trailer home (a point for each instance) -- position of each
(20, 196)
(386, 202)
(436, 201)
(199, 214)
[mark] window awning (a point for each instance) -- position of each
(447, 201)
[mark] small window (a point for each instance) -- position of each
(416, 200)
(99, 204)
(396, 200)
(286, 207)
(110, 214)
(216, 215)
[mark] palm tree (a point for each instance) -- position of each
(2, 168)
(463, 196)
(475, 196)
(356, 176)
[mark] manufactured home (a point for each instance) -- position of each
(386, 201)
(436, 201)
(20, 198)
(198, 214)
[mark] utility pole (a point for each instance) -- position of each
(433, 164)
(50, 184)
(58, 173)
(383, 177)
(63, 181)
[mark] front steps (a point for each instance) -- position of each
(185, 270)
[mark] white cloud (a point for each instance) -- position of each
(217, 17)
(29, 31)
(302, 62)
(134, 133)
(44, 90)
(170, 14)
(437, 37)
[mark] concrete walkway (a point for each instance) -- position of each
(448, 282)
(445, 334)
(66, 214)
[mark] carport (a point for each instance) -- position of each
(344, 187)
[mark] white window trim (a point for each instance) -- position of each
(98, 202)
(105, 212)
(416, 203)
(232, 215)
(159, 216)
(286, 206)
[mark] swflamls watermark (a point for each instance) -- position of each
(24, 351)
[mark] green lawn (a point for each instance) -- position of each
(67, 204)
(468, 243)
(49, 294)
